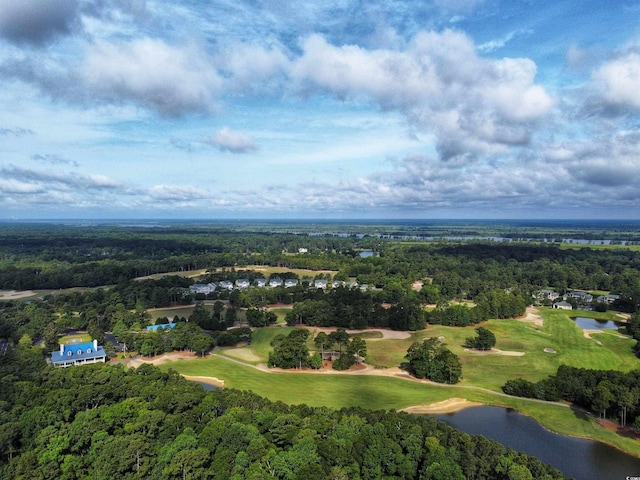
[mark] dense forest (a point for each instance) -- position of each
(106, 422)
(607, 393)
(54, 257)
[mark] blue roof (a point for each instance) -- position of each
(77, 351)
(163, 326)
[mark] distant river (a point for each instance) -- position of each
(575, 457)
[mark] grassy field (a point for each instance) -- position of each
(280, 313)
(380, 392)
(604, 350)
(267, 271)
(483, 374)
(77, 338)
(186, 274)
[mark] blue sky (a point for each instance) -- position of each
(332, 109)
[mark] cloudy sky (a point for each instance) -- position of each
(319, 109)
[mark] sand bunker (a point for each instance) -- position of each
(446, 406)
(386, 334)
(216, 382)
(532, 315)
(160, 359)
(495, 351)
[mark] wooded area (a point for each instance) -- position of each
(111, 422)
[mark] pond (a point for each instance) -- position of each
(578, 458)
(595, 324)
(206, 386)
(368, 253)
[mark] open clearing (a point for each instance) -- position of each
(16, 294)
(181, 273)
(76, 338)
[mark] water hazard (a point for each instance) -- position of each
(577, 458)
(594, 324)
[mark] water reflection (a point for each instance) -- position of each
(594, 324)
(577, 458)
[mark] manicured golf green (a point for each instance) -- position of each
(559, 341)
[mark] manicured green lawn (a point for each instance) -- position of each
(280, 312)
(261, 340)
(379, 392)
(606, 350)
(391, 353)
(76, 338)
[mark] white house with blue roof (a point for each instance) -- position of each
(78, 354)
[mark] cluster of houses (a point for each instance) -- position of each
(581, 298)
(275, 282)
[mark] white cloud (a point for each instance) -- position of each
(12, 186)
(171, 80)
(619, 80)
(177, 193)
(251, 66)
(232, 141)
(473, 105)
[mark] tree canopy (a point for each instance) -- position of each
(431, 359)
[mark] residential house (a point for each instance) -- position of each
(563, 305)
(581, 297)
(608, 299)
(260, 282)
(546, 294)
(225, 285)
(319, 283)
(275, 282)
(290, 282)
(78, 354)
(242, 283)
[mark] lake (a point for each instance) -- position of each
(578, 458)
(594, 324)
